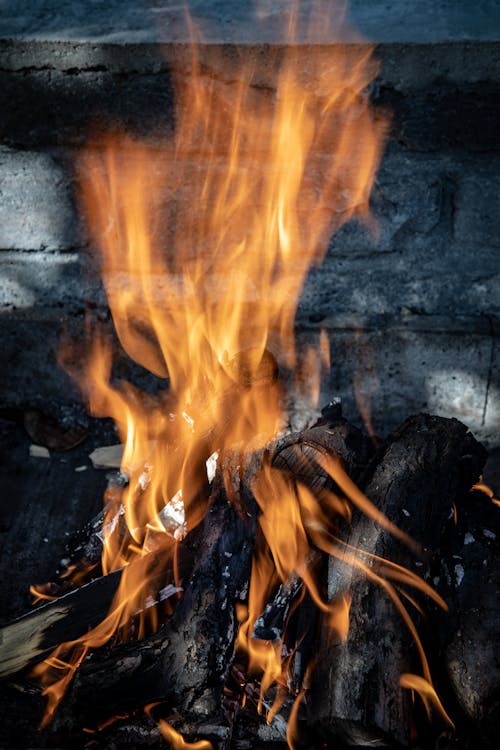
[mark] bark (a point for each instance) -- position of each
(185, 662)
(425, 466)
(469, 579)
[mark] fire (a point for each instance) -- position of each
(205, 241)
(482, 487)
(427, 693)
(176, 741)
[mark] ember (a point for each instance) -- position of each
(241, 568)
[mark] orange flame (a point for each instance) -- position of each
(339, 615)
(174, 738)
(177, 741)
(428, 695)
(482, 487)
(205, 241)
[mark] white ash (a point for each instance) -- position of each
(39, 451)
(169, 591)
(489, 534)
(243, 593)
(459, 574)
(81, 468)
(173, 517)
(406, 512)
(211, 464)
(468, 538)
(111, 525)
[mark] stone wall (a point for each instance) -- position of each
(412, 311)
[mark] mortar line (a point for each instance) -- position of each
(490, 372)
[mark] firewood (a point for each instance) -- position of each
(469, 579)
(30, 638)
(299, 455)
(426, 465)
(184, 663)
(191, 651)
(70, 615)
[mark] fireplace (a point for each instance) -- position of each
(406, 305)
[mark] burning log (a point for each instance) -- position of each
(300, 455)
(185, 661)
(425, 467)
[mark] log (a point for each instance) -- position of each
(299, 455)
(356, 694)
(185, 662)
(469, 579)
(29, 639)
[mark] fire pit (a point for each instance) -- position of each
(261, 572)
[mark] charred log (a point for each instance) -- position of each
(426, 465)
(184, 663)
(469, 579)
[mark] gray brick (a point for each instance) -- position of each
(36, 207)
(477, 217)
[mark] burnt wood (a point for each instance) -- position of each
(425, 466)
(469, 579)
(428, 464)
(185, 662)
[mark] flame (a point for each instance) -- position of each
(293, 522)
(177, 741)
(428, 695)
(339, 615)
(264, 657)
(39, 594)
(482, 487)
(205, 241)
(173, 737)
